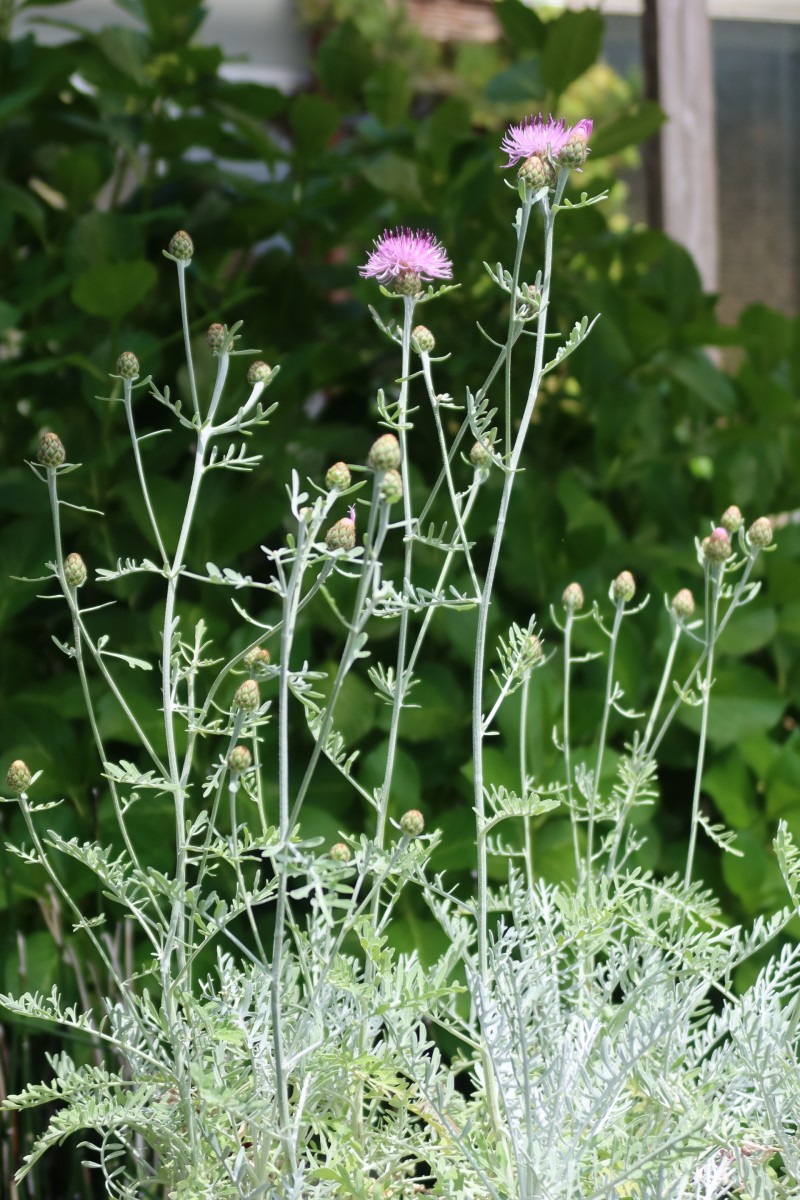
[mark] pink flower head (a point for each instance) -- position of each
(407, 255)
(534, 136)
(546, 140)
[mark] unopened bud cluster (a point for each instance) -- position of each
(480, 455)
(683, 604)
(412, 823)
(731, 519)
(18, 777)
(342, 535)
(215, 337)
(128, 365)
(257, 372)
(51, 452)
(385, 453)
(257, 659)
(181, 246)
(340, 852)
(760, 533)
(240, 759)
(338, 477)
(717, 546)
(572, 598)
(247, 696)
(623, 588)
(392, 487)
(422, 340)
(74, 570)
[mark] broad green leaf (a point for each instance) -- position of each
(521, 25)
(313, 121)
(730, 786)
(572, 46)
(631, 128)
(398, 177)
(388, 93)
(695, 371)
(518, 84)
(113, 289)
(744, 701)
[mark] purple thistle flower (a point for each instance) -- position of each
(544, 139)
(406, 257)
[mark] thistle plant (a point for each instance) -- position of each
(270, 1042)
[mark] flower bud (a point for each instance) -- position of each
(536, 173)
(257, 372)
(412, 822)
(340, 852)
(128, 365)
(624, 587)
(392, 487)
(342, 535)
(760, 533)
(181, 246)
(407, 283)
(683, 604)
(240, 759)
(18, 777)
(573, 154)
(717, 546)
(385, 454)
(534, 651)
(422, 340)
(74, 570)
(731, 519)
(572, 599)
(338, 477)
(257, 659)
(215, 337)
(247, 696)
(51, 452)
(480, 456)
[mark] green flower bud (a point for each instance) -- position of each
(257, 372)
(240, 759)
(247, 696)
(257, 659)
(392, 487)
(717, 546)
(215, 337)
(683, 604)
(536, 173)
(731, 519)
(128, 365)
(51, 452)
(340, 852)
(407, 283)
(18, 777)
(181, 246)
(624, 587)
(422, 340)
(572, 599)
(338, 477)
(760, 533)
(479, 455)
(574, 154)
(342, 535)
(75, 570)
(385, 454)
(412, 822)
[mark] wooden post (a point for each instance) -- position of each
(688, 142)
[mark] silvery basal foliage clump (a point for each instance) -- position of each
(602, 1049)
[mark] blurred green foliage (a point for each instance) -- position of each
(110, 142)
